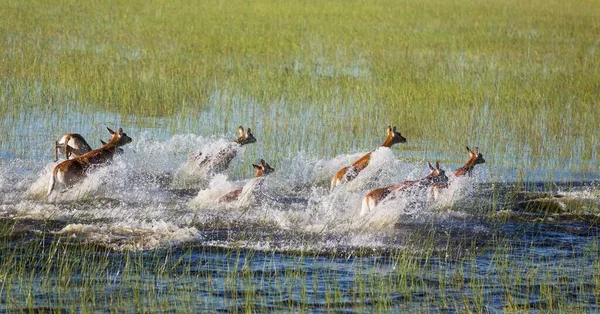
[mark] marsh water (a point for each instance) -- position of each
(150, 205)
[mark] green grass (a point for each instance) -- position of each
(60, 275)
(519, 79)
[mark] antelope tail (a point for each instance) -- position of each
(333, 183)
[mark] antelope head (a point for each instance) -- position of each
(393, 137)
(476, 156)
(262, 168)
(244, 137)
(119, 138)
(437, 174)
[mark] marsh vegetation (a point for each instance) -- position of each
(318, 83)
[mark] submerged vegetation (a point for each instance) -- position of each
(510, 275)
(314, 80)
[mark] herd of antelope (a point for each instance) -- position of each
(82, 159)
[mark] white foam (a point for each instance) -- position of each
(209, 198)
(198, 169)
(132, 235)
(125, 205)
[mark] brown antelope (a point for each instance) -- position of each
(74, 170)
(350, 172)
(219, 161)
(475, 158)
(373, 198)
(262, 168)
(71, 145)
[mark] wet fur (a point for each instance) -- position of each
(71, 145)
(74, 170)
(349, 173)
(375, 196)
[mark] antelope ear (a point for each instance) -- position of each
(103, 142)
(241, 130)
(256, 166)
(477, 150)
(389, 129)
(430, 166)
(248, 131)
(437, 165)
(262, 162)
(468, 149)
(394, 129)
(110, 131)
(120, 130)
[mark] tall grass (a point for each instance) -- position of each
(519, 79)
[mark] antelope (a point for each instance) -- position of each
(475, 158)
(219, 161)
(374, 197)
(348, 173)
(262, 168)
(74, 170)
(71, 145)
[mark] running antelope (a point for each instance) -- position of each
(374, 197)
(74, 170)
(219, 161)
(71, 145)
(350, 172)
(262, 168)
(475, 158)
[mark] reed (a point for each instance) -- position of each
(62, 275)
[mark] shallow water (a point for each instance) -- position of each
(137, 204)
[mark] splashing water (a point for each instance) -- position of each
(139, 201)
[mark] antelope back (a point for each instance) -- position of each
(119, 150)
(70, 146)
